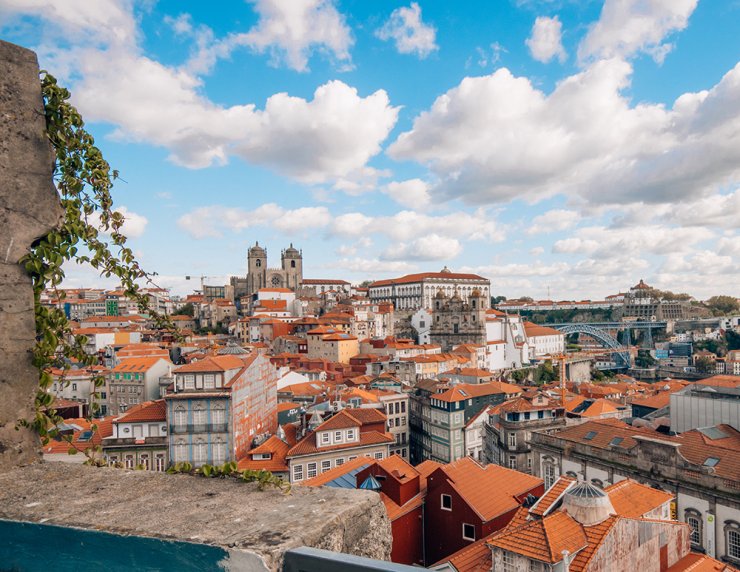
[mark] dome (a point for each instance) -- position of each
(232, 349)
(587, 504)
(475, 293)
(257, 248)
(291, 251)
(440, 294)
(446, 270)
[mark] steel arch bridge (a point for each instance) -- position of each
(621, 355)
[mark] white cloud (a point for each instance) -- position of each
(406, 226)
(292, 30)
(102, 21)
(133, 226)
(485, 58)
(430, 247)
(412, 193)
(537, 251)
(371, 267)
(410, 34)
(720, 210)
(626, 27)
(556, 220)
(603, 243)
(327, 138)
(214, 221)
(181, 25)
(497, 137)
(545, 42)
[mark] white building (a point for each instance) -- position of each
(421, 321)
(415, 291)
(543, 340)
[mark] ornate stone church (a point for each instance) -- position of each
(259, 275)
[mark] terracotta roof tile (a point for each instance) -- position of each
(552, 495)
(147, 411)
(307, 445)
(410, 278)
(491, 490)
(632, 499)
(336, 472)
(694, 562)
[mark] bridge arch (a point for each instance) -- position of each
(605, 338)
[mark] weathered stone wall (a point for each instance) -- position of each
(254, 527)
(29, 208)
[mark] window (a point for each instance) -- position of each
(508, 561)
(512, 462)
(732, 540)
(325, 438)
(337, 436)
(379, 455)
(403, 407)
(468, 531)
(181, 451)
(325, 465)
(297, 473)
(311, 470)
(159, 463)
(199, 415)
(339, 462)
(144, 461)
(445, 502)
(350, 434)
(129, 461)
(218, 415)
(189, 382)
(512, 440)
(219, 452)
(549, 475)
(209, 381)
(597, 483)
(74, 387)
(693, 519)
(200, 451)
(181, 416)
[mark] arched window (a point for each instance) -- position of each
(292, 263)
(258, 263)
(732, 540)
(598, 483)
(181, 416)
(693, 519)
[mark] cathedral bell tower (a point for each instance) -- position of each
(292, 263)
(256, 268)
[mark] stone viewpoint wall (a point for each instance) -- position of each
(29, 208)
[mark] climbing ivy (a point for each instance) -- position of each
(89, 232)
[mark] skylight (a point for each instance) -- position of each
(711, 462)
(590, 435)
(616, 441)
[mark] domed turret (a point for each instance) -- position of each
(446, 270)
(440, 294)
(257, 250)
(291, 252)
(587, 504)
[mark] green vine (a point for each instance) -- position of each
(84, 180)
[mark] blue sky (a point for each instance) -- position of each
(564, 146)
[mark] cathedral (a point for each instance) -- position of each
(290, 275)
(456, 321)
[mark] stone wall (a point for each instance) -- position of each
(253, 527)
(29, 208)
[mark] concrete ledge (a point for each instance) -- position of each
(254, 527)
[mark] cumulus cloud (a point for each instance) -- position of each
(497, 137)
(545, 42)
(290, 31)
(412, 193)
(430, 247)
(408, 32)
(134, 224)
(214, 221)
(627, 27)
(323, 139)
(556, 220)
(406, 226)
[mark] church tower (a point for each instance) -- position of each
(256, 268)
(292, 263)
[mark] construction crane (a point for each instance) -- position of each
(202, 281)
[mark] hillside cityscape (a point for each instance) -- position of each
(337, 285)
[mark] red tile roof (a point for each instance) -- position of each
(410, 278)
(273, 446)
(632, 499)
(138, 364)
(463, 391)
(491, 490)
(552, 495)
(142, 412)
(307, 445)
(694, 562)
(336, 472)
